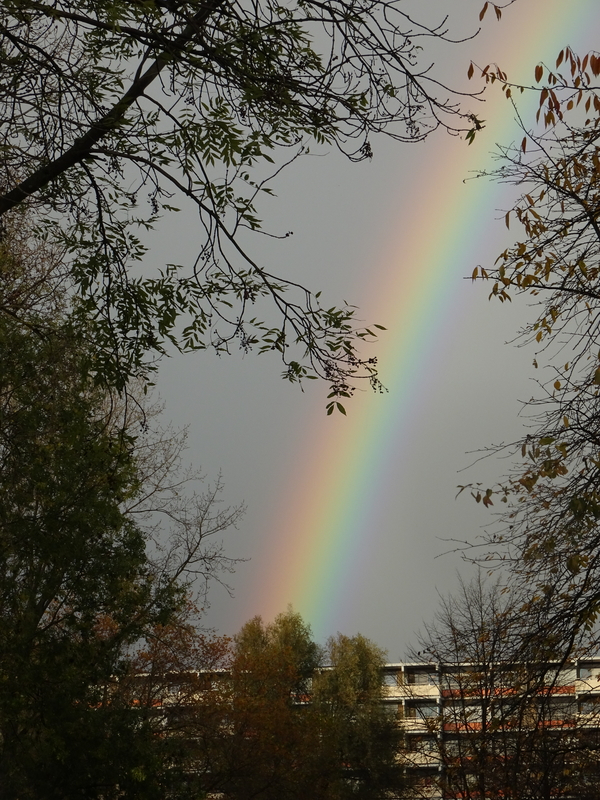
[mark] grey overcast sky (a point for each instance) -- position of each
(373, 562)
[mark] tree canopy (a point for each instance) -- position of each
(268, 715)
(83, 486)
(308, 721)
(112, 113)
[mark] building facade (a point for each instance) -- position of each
(498, 730)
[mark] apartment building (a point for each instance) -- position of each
(498, 730)
(470, 732)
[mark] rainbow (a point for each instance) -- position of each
(319, 530)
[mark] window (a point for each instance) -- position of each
(566, 677)
(450, 682)
(452, 748)
(465, 681)
(591, 705)
(428, 678)
(589, 672)
(427, 711)
(423, 744)
(562, 709)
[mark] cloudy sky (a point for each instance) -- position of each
(348, 518)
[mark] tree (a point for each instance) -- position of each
(509, 725)
(296, 728)
(69, 559)
(111, 109)
(348, 694)
(271, 751)
(176, 681)
(549, 533)
(79, 583)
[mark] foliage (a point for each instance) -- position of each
(262, 717)
(348, 695)
(173, 681)
(112, 112)
(69, 558)
(297, 728)
(549, 532)
(274, 742)
(79, 479)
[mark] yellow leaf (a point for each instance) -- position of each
(573, 564)
(557, 385)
